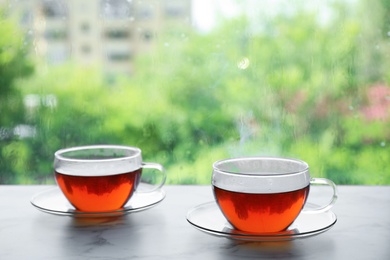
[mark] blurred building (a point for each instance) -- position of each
(107, 32)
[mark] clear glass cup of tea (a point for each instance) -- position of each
(264, 194)
(101, 178)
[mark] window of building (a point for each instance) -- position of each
(147, 35)
(117, 34)
(27, 17)
(56, 34)
(85, 27)
(57, 55)
(116, 9)
(55, 8)
(145, 13)
(118, 56)
(175, 9)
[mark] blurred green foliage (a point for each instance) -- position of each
(290, 85)
(14, 64)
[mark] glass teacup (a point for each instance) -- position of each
(264, 194)
(101, 178)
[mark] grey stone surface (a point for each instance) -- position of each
(162, 232)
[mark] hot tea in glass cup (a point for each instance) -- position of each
(264, 194)
(101, 178)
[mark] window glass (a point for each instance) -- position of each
(195, 81)
(55, 35)
(52, 8)
(116, 9)
(117, 34)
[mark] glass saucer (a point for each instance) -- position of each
(208, 218)
(54, 202)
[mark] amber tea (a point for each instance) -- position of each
(98, 193)
(249, 211)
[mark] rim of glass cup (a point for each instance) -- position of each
(60, 153)
(305, 166)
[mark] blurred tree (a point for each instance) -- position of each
(14, 64)
(73, 109)
(385, 15)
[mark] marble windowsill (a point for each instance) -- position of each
(162, 232)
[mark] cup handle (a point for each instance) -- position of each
(323, 181)
(156, 166)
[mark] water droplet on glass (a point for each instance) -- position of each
(243, 64)
(166, 44)
(383, 143)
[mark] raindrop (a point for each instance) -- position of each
(243, 64)
(388, 34)
(166, 44)
(383, 143)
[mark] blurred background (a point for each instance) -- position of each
(195, 81)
